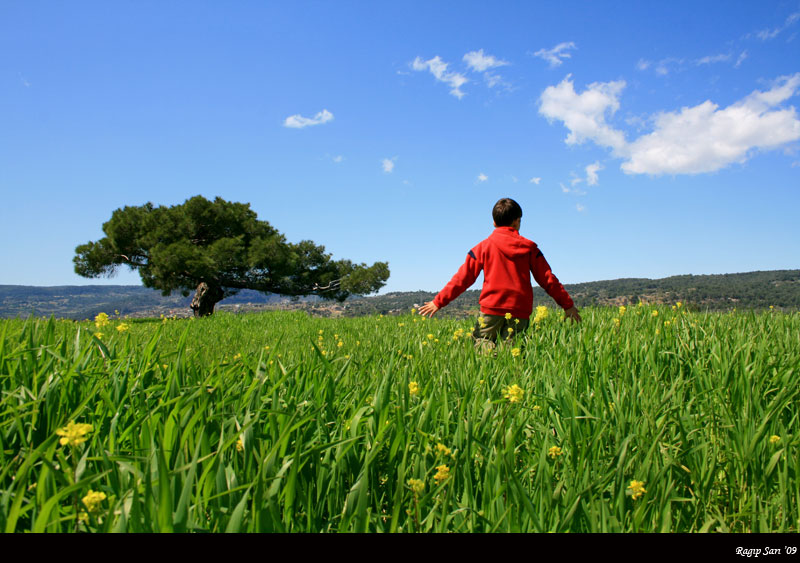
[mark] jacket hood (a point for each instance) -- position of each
(510, 243)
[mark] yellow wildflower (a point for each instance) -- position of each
(99, 335)
(340, 344)
(401, 324)
(537, 408)
(554, 452)
(774, 439)
(508, 316)
(73, 434)
(637, 489)
(616, 322)
(510, 331)
(122, 327)
(771, 307)
(239, 445)
(513, 393)
(416, 485)
(442, 449)
(101, 320)
(413, 388)
(541, 313)
(430, 336)
(515, 352)
(679, 304)
(622, 310)
(654, 313)
(442, 473)
(92, 501)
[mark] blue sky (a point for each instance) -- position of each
(641, 139)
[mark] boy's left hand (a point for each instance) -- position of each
(428, 309)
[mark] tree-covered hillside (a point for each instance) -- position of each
(752, 290)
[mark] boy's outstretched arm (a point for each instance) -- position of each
(545, 277)
(465, 277)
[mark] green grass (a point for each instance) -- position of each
(263, 422)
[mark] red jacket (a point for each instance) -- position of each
(507, 259)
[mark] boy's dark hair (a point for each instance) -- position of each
(505, 212)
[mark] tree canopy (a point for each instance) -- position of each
(219, 248)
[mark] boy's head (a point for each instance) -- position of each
(506, 212)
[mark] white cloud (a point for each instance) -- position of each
(388, 164)
(580, 208)
(479, 62)
(741, 59)
(298, 121)
(643, 64)
(514, 179)
(575, 180)
(584, 114)
(438, 69)
(338, 158)
(535, 180)
(713, 59)
(767, 34)
(557, 54)
(705, 138)
(574, 191)
(482, 177)
(591, 173)
(694, 140)
(663, 66)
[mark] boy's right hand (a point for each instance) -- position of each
(572, 313)
(428, 309)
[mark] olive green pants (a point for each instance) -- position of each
(490, 327)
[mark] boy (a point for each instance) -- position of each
(507, 260)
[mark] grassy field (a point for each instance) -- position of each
(645, 419)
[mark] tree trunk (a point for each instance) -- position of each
(205, 298)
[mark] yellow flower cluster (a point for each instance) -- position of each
(122, 327)
(774, 439)
(637, 489)
(442, 449)
(239, 445)
(542, 313)
(508, 316)
(554, 452)
(101, 320)
(515, 351)
(622, 310)
(654, 313)
(458, 334)
(616, 322)
(413, 388)
(93, 500)
(417, 486)
(442, 474)
(513, 393)
(73, 434)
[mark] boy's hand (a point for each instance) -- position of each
(428, 309)
(572, 313)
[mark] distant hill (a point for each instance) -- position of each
(751, 290)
